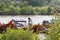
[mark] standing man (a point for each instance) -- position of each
(29, 21)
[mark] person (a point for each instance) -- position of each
(29, 21)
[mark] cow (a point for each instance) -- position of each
(36, 28)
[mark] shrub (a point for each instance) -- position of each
(43, 11)
(19, 34)
(27, 11)
(54, 32)
(49, 10)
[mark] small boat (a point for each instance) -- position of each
(19, 23)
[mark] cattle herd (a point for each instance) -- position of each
(36, 28)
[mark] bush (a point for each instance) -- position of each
(43, 11)
(27, 11)
(19, 34)
(54, 32)
(49, 10)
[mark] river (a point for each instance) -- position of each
(35, 18)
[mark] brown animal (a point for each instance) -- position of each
(11, 24)
(4, 26)
(35, 28)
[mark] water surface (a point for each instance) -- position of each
(35, 18)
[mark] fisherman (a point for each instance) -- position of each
(29, 21)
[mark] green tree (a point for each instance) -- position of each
(43, 12)
(37, 2)
(27, 11)
(55, 2)
(49, 10)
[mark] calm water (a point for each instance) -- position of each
(35, 18)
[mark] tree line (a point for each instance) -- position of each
(29, 7)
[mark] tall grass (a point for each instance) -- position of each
(54, 31)
(19, 34)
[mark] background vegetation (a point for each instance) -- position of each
(29, 7)
(18, 34)
(54, 31)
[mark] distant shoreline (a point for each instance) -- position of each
(26, 15)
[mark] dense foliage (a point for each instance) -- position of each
(18, 34)
(29, 7)
(54, 32)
